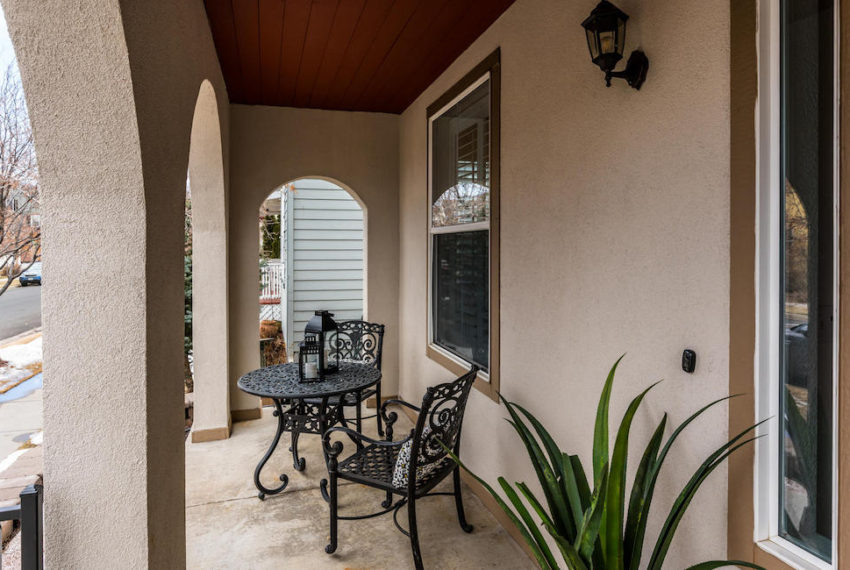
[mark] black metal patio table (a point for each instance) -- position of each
(294, 414)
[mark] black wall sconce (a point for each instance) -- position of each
(606, 38)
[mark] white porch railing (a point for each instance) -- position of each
(271, 281)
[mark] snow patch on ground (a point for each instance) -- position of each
(19, 362)
(22, 355)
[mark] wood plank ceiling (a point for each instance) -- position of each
(355, 55)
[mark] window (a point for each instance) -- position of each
(796, 499)
(463, 225)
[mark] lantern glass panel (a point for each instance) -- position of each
(621, 35)
(608, 42)
(591, 44)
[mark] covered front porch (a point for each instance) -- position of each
(574, 222)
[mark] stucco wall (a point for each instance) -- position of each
(615, 238)
(272, 146)
(111, 88)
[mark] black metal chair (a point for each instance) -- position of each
(363, 342)
(376, 463)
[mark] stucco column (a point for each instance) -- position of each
(94, 308)
(111, 89)
(209, 273)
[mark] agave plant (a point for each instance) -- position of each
(597, 529)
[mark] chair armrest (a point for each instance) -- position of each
(390, 418)
(386, 403)
(335, 449)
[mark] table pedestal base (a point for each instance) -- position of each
(297, 417)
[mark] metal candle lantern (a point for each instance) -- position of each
(322, 325)
(308, 360)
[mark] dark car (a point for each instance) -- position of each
(31, 275)
(797, 354)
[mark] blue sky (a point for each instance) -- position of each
(7, 52)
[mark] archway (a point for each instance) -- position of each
(209, 271)
(313, 256)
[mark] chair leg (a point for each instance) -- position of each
(359, 414)
(378, 408)
(331, 547)
(388, 503)
(461, 517)
(414, 535)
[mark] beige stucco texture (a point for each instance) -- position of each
(111, 87)
(210, 332)
(271, 146)
(614, 238)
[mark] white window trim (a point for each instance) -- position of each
(485, 376)
(767, 284)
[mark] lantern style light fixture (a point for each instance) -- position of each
(606, 38)
(314, 355)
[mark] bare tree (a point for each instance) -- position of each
(20, 228)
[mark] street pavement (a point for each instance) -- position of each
(20, 310)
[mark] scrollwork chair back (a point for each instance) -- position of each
(440, 421)
(358, 341)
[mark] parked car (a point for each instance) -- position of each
(797, 357)
(31, 275)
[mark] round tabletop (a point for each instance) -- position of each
(281, 381)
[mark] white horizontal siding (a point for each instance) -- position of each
(302, 244)
(350, 205)
(334, 264)
(328, 224)
(327, 254)
(330, 234)
(320, 194)
(327, 295)
(327, 286)
(332, 306)
(327, 275)
(325, 214)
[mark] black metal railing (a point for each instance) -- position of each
(29, 513)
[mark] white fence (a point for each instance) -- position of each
(271, 281)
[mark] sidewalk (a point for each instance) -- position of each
(24, 467)
(21, 462)
(20, 392)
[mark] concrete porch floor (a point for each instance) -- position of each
(227, 526)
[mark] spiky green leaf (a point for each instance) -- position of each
(633, 534)
(600, 430)
(615, 492)
(529, 522)
(649, 491)
(546, 475)
(683, 500)
(588, 534)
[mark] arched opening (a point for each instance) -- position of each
(206, 270)
(312, 256)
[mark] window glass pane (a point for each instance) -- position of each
(807, 275)
(460, 295)
(461, 161)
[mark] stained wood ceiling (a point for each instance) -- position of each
(356, 55)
